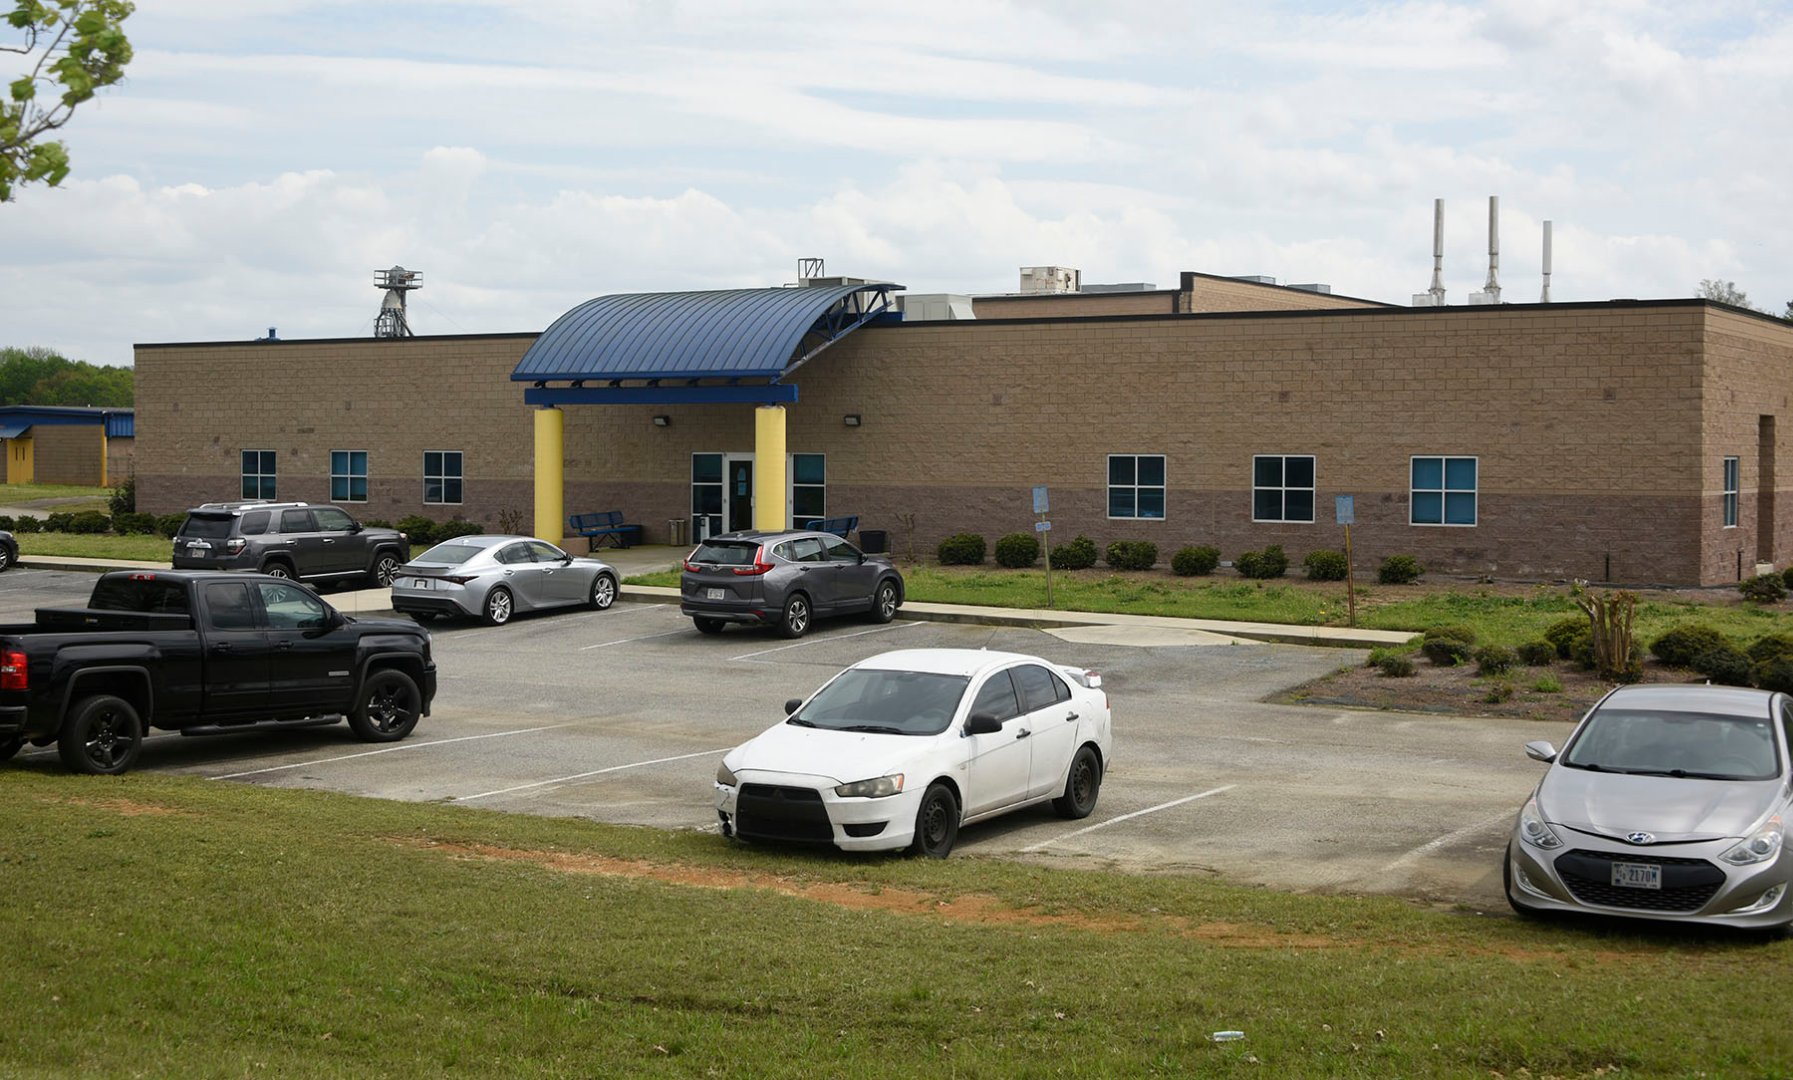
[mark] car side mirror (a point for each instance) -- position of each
(1540, 750)
(982, 723)
(355, 526)
(792, 705)
(565, 559)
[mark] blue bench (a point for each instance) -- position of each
(608, 525)
(839, 526)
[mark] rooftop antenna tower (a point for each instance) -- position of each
(808, 270)
(1545, 299)
(1490, 293)
(1434, 296)
(397, 281)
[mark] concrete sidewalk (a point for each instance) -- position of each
(1085, 626)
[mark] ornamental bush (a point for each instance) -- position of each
(1195, 561)
(128, 524)
(421, 531)
(963, 549)
(1448, 645)
(30, 523)
(1770, 646)
(1017, 551)
(1131, 555)
(1079, 554)
(1679, 646)
(1563, 633)
(170, 524)
(89, 522)
(1537, 653)
(1763, 589)
(58, 521)
(1774, 673)
(1724, 664)
(1397, 666)
(1495, 660)
(1268, 563)
(1399, 570)
(448, 530)
(1326, 565)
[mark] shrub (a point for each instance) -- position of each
(1447, 645)
(1537, 653)
(1679, 646)
(1787, 577)
(964, 549)
(131, 523)
(170, 524)
(448, 530)
(89, 521)
(59, 521)
(1399, 570)
(1131, 555)
(1195, 561)
(1498, 691)
(1268, 563)
(30, 523)
(1495, 660)
(382, 523)
(1563, 633)
(1724, 664)
(420, 530)
(123, 499)
(1548, 684)
(1326, 565)
(1379, 654)
(1397, 666)
(1774, 673)
(1079, 554)
(1770, 646)
(1017, 551)
(6, 522)
(1763, 589)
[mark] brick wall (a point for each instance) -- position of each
(68, 453)
(121, 459)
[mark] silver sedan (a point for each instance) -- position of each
(1668, 802)
(495, 577)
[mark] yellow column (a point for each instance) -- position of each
(105, 481)
(550, 495)
(769, 482)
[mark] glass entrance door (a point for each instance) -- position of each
(739, 499)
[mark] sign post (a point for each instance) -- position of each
(1040, 505)
(1344, 506)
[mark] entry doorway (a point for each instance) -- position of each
(737, 496)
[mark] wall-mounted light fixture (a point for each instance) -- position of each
(662, 420)
(851, 419)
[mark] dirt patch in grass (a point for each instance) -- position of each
(1459, 691)
(129, 807)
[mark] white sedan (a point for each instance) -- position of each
(900, 750)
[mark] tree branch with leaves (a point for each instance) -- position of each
(71, 50)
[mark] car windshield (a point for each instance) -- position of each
(209, 526)
(884, 702)
(450, 554)
(1692, 745)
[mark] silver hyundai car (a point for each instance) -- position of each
(784, 579)
(1667, 803)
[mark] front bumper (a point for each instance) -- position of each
(1697, 886)
(803, 809)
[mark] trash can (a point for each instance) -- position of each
(675, 531)
(874, 541)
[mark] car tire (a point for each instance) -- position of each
(9, 747)
(1082, 786)
(7, 558)
(884, 601)
(499, 607)
(100, 736)
(936, 823)
(603, 592)
(794, 622)
(278, 569)
(385, 568)
(707, 626)
(389, 707)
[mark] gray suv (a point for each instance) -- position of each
(290, 540)
(784, 579)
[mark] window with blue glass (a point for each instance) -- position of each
(1136, 485)
(348, 476)
(1282, 487)
(706, 494)
(809, 487)
(1731, 489)
(1443, 491)
(441, 476)
(258, 474)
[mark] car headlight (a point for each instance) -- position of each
(871, 789)
(1760, 846)
(724, 775)
(1532, 828)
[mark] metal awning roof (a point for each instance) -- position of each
(15, 420)
(673, 348)
(13, 430)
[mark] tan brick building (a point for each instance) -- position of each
(1624, 441)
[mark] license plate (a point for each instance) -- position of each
(1632, 875)
(713, 594)
(420, 583)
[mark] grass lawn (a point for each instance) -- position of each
(167, 926)
(95, 546)
(22, 494)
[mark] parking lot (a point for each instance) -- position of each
(621, 716)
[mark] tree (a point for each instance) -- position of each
(71, 49)
(37, 376)
(1725, 292)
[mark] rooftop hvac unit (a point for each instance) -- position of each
(1050, 279)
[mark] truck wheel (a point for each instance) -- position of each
(277, 569)
(100, 736)
(390, 706)
(9, 747)
(385, 568)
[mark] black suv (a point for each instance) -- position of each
(290, 540)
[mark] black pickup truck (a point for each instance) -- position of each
(203, 653)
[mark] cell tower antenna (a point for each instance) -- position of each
(397, 281)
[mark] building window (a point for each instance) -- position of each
(258, 474)
(348, 476)
(441, 476)
(1731, 487)
(1444, 491)
(706, 494)
(809, 479)
(1136, 486)
(1282, 487)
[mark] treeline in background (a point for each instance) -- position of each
(37, 376)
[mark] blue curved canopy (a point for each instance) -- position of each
(731, 334)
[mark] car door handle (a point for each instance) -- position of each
(1070, 716)
(283, 646)
(222, 646)
(327, 540)
(1023, 733)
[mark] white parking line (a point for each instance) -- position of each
(1447, 839)
(391, 749)
(583, 775)
(1124, 817)
(831, 637)
(626, 640)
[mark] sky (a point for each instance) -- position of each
(263, 159)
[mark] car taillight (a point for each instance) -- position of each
(235, 544)
(760, 565)
(14, 673)
(457, 579)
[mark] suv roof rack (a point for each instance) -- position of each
(244, 504)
